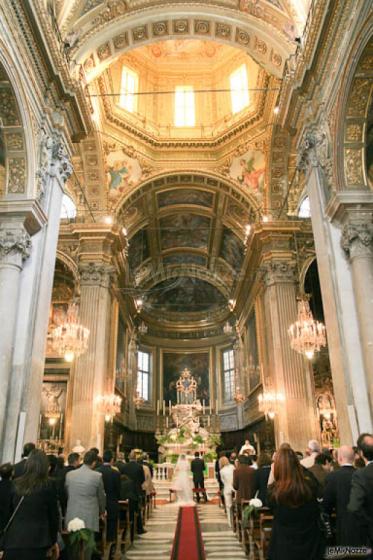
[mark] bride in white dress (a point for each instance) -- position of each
(182, 482)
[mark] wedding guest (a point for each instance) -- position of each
(261, 477)
(33, 531)
(226, 477)
(6, 491)
(292, 497)
(86, 494)
(336, 497)
(147, 485)
(244, 479)
(361, 497)
(120, 462)
(312, 451)
(218, 466)
(320, 470)
(111, 480)
(135, 472)
(20, 467)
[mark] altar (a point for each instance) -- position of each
(186, 428)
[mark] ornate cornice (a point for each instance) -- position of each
(278, 271)
(15, 241)
(96, 274)
(357, 239)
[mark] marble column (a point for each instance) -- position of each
(341, 313)
(357, 242)
(290, 373)
(15, 246)
(90, 371)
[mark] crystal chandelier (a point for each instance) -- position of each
(70, 339)
(307, 336)
(227, 329)
(142, 328)
(138, 400)
(108, 405)
(270, 402)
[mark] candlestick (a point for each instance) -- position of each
(169, 408)
(166, 421)
(209, 420)
(217, 406)
(164, 408)
(203, 406)
(157, 407)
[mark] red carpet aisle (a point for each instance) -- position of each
(188, 543)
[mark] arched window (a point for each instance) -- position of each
(68, 209)
(304, 208)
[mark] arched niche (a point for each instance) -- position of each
(14, 160)
(355, 118)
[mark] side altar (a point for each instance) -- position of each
(187, 428)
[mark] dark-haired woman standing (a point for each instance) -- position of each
(33, 531)
(292, 497)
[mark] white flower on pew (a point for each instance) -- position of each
(75, 524)
(256, 503)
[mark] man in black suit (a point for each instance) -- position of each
(6, 494)
(135, 472)
(111, 479)
(198, 466)
(20, 467)
(336, 496)
(361, 497)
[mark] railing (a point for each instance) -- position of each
(163, 471)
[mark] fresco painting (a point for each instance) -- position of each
(138, 250)
(185, 196)
(199, 366)
(184, 230)
(122, 172)
(232, 249)
(184, 295)
(249, 170)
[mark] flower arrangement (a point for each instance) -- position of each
(80, 538)
(249, 510)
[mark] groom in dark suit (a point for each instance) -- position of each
(198, 466)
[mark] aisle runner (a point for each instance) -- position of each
(188, 543)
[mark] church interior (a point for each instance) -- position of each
(186, 225)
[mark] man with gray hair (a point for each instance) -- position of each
(336, 497)
(313, 450)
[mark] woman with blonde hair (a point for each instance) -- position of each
(226, 475)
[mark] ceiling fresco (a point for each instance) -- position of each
(184, 295)
(184, 258)
(184, 230)
(185, 196)
(138, 250)
(232, 249)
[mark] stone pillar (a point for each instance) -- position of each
(15, 245)
(288, 370)
(90, 371)
(357, 242)
(337, 289)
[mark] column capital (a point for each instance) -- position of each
(315, 150)
(278, 271)
(357, 239)
(99, 274)
(54, 159)
(15, 243)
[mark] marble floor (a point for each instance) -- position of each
(219, 541)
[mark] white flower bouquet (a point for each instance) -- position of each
(250, 509)
(80, 538)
